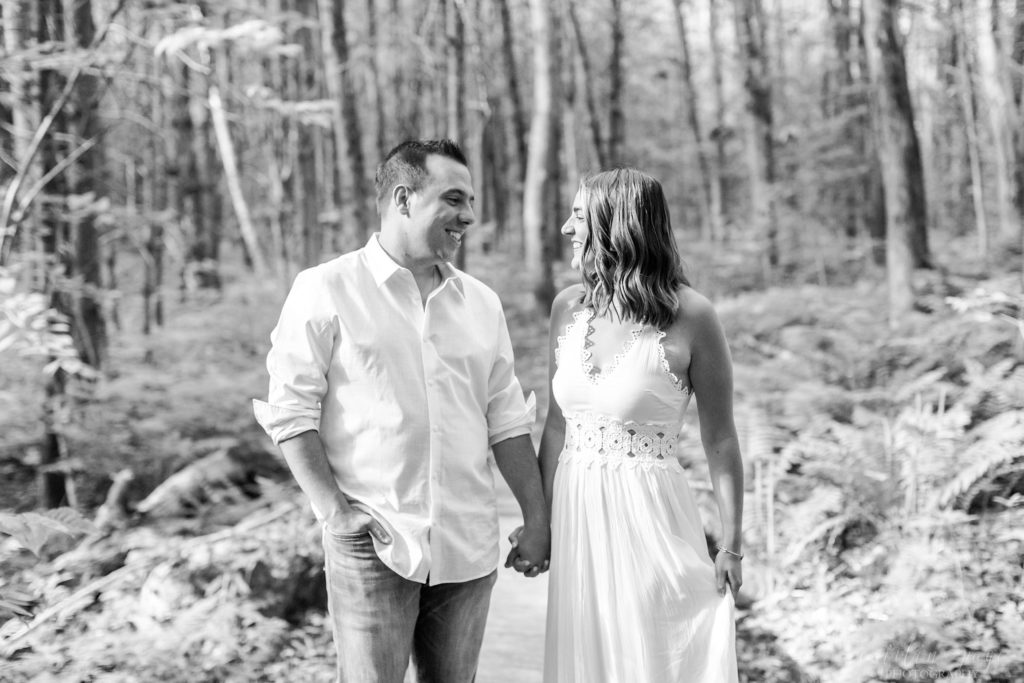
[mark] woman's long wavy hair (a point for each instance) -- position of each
(631, 265)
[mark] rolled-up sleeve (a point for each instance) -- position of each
(302, 344)
(509, 414)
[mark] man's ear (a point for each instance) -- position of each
(400, 198)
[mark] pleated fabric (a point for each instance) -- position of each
(632, 595)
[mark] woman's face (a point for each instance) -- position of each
(575, 228)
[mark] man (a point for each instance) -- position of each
(391, 373)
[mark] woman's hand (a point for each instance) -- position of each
(728, 571)
(520, 562)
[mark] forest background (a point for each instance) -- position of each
(846, 179)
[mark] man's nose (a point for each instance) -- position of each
(467, 217)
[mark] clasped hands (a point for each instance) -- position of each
(531, 549)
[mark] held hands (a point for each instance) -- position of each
(728, 571)
(531, 548)
(355, 522)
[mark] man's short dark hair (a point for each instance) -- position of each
(406, 164)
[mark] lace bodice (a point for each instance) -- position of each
(596, 439)
(632, 410)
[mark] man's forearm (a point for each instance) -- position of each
(517, 463)
(551, 444)
(308, 462)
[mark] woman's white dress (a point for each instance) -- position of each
(632, 596)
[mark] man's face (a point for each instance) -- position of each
(440, 211)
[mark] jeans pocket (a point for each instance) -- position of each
(346, 548)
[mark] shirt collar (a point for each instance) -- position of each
(382, 266)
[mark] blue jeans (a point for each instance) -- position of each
(381, 619)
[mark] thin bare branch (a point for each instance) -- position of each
(9, 227)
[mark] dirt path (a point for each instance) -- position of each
(513, 650)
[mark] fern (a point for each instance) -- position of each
(926, 442)
(15, 603)
(830, 530)
(994, 305)
(956, 490)
(30, 327)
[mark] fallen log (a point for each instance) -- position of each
(228, 475)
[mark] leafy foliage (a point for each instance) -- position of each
(30, 327)
(35, 529)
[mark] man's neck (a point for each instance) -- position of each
(427, 281)
(426, 273)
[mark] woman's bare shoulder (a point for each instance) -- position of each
(695, 310)
(570, 294)
(692, 302)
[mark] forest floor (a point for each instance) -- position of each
(883, 519)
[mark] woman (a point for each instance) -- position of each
(633, 595)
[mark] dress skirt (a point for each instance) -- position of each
(632, 595)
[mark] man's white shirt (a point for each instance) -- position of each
(407, 398)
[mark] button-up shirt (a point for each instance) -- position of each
(406, 397)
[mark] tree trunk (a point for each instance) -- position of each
(750, 19)
(569, 81)
(53, 491)
(155, 201)
(407, 80)
(18, 20)
(306, 198)
(896, 72)
(616, 84)
(1017, 58)
(434, 100)
(85, 178)
(232, 177)
(872, 187)
(497, 177)
(17, 30)
(711, 229)
(204, 253)
(305, 195)
(894, 143)
(720, 131)
(874, 201)
(555, 206)
(837, 105)
(455, 69)
(376, 81)
(538, 172)
(998, 113)
(182, 167)
(968, 106)
(512, 73)
(593, 116)
(348, 129)
(455, 92)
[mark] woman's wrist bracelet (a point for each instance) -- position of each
(730, 552)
